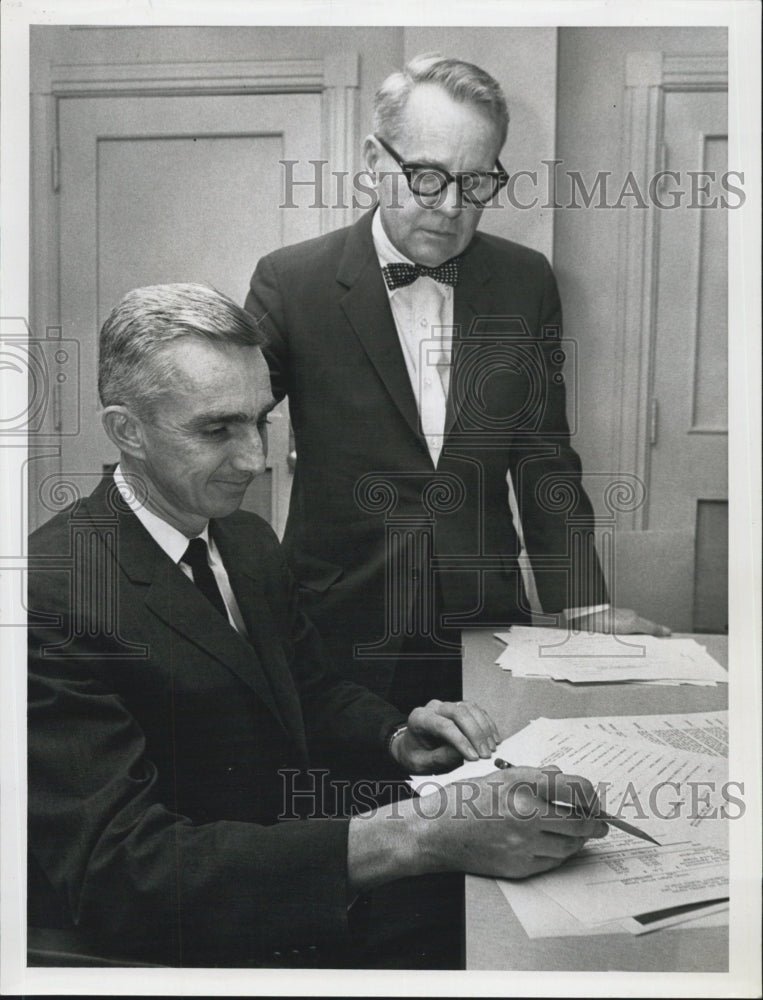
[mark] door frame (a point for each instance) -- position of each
(649, 77)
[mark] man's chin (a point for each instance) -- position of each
(435, 250)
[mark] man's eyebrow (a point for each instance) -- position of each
(217, 417)
(426, 162)
(226, 417)
(438, 165)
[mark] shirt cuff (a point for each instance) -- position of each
(571, 613)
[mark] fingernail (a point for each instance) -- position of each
(471, 754)
(484, 752)
(492, 744)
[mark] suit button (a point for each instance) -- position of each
(276, 954)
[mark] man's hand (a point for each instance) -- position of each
(505, 823)
(621, 621)
(441, 734)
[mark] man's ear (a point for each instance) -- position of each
(371, 153)
(124, 428)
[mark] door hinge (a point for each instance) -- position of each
(654, 418)
(57, 408)
(55, 168)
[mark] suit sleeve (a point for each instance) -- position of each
(132, 871)
(345, 723)
(555, 511)
(265, 302)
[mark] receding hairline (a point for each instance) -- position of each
(148, 320)
(463, 82)
(476, 108)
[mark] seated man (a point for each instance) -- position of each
(176, 690)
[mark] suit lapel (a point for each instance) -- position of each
(170, 595)
(367, 309)
(469, 301)
(176, 600)
(242, 566)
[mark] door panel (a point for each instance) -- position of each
(689, 452)
(174, 189)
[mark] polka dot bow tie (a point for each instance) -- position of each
(398, 275)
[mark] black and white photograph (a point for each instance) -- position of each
(380, 571)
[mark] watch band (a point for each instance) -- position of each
(397, 731)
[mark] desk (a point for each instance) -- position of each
(495, 938)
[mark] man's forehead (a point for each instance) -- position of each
(206, 377)
(197, 357)
(432, 115)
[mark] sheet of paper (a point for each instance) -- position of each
(541, 916)
(655, 786)
(605, 883)
(664, 791)
(693, 732)
(706, 915)
(603, 658)
(632, 760)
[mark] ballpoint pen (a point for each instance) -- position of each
(621, 824)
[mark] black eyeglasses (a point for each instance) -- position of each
(428, 182)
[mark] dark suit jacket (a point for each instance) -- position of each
(156, 733)
(367, 503)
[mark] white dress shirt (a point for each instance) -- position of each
(423, 314)
(174, 543)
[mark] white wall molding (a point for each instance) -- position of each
(187, 78)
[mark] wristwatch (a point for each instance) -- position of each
(397, 731)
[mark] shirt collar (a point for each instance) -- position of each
(386, 251)
(166, 536)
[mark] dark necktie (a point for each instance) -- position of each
(399, 274)
(196, 557)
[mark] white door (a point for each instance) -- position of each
(160, 189)
(688, 480)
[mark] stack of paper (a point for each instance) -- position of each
(600, 658)
(644, 774)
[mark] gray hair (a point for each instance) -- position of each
(133, 368)
(463, 81)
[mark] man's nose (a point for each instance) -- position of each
(249, 450)
(451, 199)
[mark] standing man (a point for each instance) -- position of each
(421, 363)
